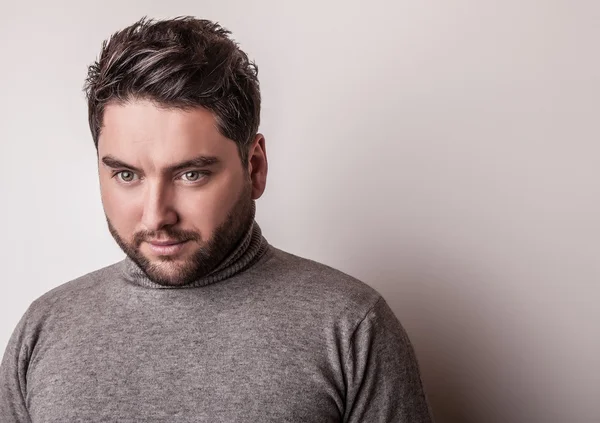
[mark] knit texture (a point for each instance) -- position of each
(266, 337)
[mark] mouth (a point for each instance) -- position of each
(166, 248)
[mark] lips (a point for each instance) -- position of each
(165, 243)
(166, 248)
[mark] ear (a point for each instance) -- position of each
(258, 166)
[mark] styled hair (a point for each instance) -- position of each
(181, 63)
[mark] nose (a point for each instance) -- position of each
(159, 209)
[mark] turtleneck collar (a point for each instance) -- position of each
(250, 249)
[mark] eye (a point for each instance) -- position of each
(126, 175)
(193, 176)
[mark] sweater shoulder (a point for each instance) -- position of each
(321, 281)
(82, 288)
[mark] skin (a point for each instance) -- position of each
(207, 206)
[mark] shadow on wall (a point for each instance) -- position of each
(447, 305)
(385, 226)
(442, 305)
(432, 311)
(437, 318)
(449, 402)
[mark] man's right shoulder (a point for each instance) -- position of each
(82, 288)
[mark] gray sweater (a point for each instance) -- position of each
(266, 337)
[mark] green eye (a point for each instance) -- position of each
(193, 176)
(126, 176)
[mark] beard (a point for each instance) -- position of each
(208, 255)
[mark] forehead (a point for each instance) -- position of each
(144, 132)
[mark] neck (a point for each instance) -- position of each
(250, 249)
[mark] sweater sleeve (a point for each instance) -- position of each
(383, 378)
(13, 371)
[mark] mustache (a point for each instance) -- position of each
(171, 233)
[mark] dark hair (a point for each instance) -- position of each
(182, 63)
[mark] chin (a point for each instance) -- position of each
(167, 272)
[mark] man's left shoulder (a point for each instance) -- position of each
(322, 282)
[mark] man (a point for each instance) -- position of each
(203, 321)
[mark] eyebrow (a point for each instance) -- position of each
(200, 161)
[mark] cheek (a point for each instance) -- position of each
(208, 208)
(121, 211)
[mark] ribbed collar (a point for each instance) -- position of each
(250, 249)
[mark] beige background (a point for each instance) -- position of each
(445, 152)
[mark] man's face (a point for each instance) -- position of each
(176, 196)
